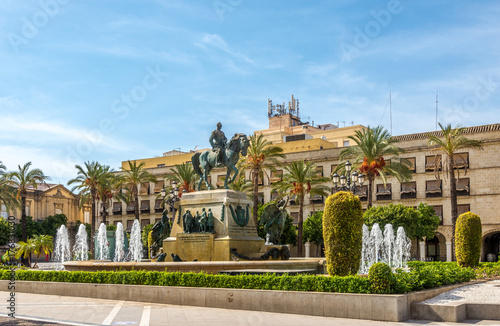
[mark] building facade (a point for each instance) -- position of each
(478, 172)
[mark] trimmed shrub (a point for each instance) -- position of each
(381, 278)
(343, 233)
(468, 233)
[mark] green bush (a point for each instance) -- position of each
(381, 278)
(419, 276)
(343, 233)
(468, 239)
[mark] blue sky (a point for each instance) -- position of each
(121, 79)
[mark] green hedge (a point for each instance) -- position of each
(351, 284)
(419, 276)
(343, 233)
(468, 239)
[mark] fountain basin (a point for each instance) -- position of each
(209, 267)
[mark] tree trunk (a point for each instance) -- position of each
(453, 201)
(255, 181)
(370, 192)
(300, 224)
(136, 198)
(92, 223)
(24, 223)
(104, 212)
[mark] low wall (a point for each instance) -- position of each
(342, 305)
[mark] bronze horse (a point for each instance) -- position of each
(231, 154)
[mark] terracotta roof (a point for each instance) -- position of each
(468, 130)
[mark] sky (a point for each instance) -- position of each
(114, 80)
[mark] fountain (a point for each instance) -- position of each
(385, 248)
(81, 248)
(135, 247)
(62, 252)
(119, 243)
(402, 248)
(101, 248)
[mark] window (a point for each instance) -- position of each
(117, 208)
(260, 195)
(160, 165)
(433, 163)
(333, 167)
(463, 209)
(346, 143)
(276, 176)
(412, 166)
(433, 189)
(463, 187)
(295, 217)
(260, 181)
(316, 199)
(144, 190)
(4, 213)
(131, 207)
(145, 206)
(159, 186)
(409, 190)
(28, 208)
(461, 160)
(158, 208)
(86, 217)
(129, 225)
(292, 200)
(363, 193)
(319, 171)
(144, 222)
(439, 212)
(384, 192)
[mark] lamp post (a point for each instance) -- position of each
(350, 182)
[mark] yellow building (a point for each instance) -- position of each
(51, 199)
(479, 172)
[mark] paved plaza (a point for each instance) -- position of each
(37, 309)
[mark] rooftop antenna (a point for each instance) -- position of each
(437, 109)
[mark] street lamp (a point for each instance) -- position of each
(350, 182)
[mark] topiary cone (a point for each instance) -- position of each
(468, 232)
(343, 233)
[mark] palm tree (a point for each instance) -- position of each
(372, 144)
(24, 249)
(105, 190)
(87, 182)
(132, 178)
(185, 177)
(6, 191)
(22, 180)
(452, 142)
(300, 179)
(260, 151)
(42, 243)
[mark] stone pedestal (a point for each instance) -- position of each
(233, 226)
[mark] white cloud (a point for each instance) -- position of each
(216, 41)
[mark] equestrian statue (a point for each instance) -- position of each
(223, 154)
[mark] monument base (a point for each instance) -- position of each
(233, 227)
(205, 247)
